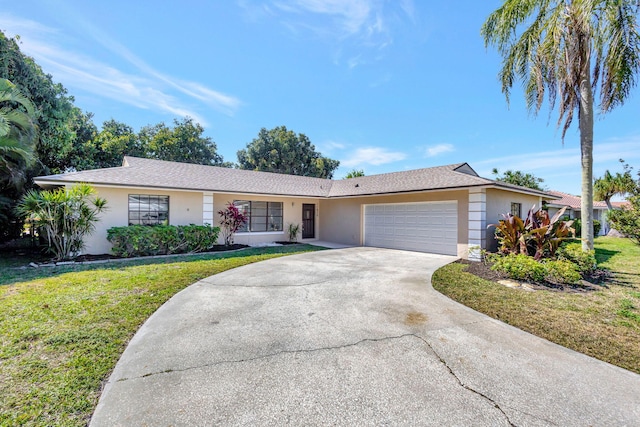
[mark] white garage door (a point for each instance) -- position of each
(424, 227)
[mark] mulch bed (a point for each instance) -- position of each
(595, 282)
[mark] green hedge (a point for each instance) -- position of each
(144, 240)
(584, 260)
(524, 267)
(577, 225)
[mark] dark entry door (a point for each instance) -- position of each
(308, 221)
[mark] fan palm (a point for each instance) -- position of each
(18, 133)
(565, 50)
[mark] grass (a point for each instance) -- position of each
(63, 329)
(604, 324)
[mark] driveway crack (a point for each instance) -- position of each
(270, 355)
(463, 385)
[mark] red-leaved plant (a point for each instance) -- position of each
(231, 220)
(538, 235)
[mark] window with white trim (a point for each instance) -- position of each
(145, 209)
(261, 216)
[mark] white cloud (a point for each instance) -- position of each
(562, 158)
(435, 150)
(360, 26)
(150, 89)
(350, 16)
(561, 168)
(373, 156)
(330, 145)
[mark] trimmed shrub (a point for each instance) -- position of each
(527, 268)
(144, 240)
(562, 271)
(520, 267)
(577, 225)
(585, 261)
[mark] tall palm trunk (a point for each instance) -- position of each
(586, 144)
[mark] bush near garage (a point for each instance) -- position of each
(537, 250)
(145, 240)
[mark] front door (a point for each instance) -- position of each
(308, 221)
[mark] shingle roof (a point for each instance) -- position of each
(572, 201)
(138, 172)
(434, 178)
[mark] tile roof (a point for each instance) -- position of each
(620, 205)
(572, 201)
(138, 172)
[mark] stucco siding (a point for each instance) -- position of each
(499, 203)
(292, 214)
(184, 208)
(341, 219)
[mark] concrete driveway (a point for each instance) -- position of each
(350, 337)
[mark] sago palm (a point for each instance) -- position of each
(569, 51)
(18, 133)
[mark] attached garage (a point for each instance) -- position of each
(423, 227)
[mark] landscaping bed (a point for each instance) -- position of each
(600, 319)
(483, 270)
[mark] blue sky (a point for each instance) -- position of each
(379, 85)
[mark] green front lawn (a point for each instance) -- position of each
(604, 323)
(63, 329)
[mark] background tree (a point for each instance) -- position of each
(566, 49)
(114, 141)
(54, 105)
(519, 178)
(610, 185)
(182, 143)
(627, 219)
(283, 151)
(18, 134)
(355, 173)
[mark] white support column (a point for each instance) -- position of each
(477, 222)
(207, 208)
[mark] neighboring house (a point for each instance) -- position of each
(625, 204)
(574, 209)
(443, 209)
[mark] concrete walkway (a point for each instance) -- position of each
(350, 337)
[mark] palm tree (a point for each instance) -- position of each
(609, 185)
(354, 173)
(18, 133)
(567, 50)
(65, 215)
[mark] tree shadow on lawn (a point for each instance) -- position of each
(627, 280)
(12, 275)
(603, 255)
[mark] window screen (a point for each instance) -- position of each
(262, 216)
(145, 209)
(516, 209)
